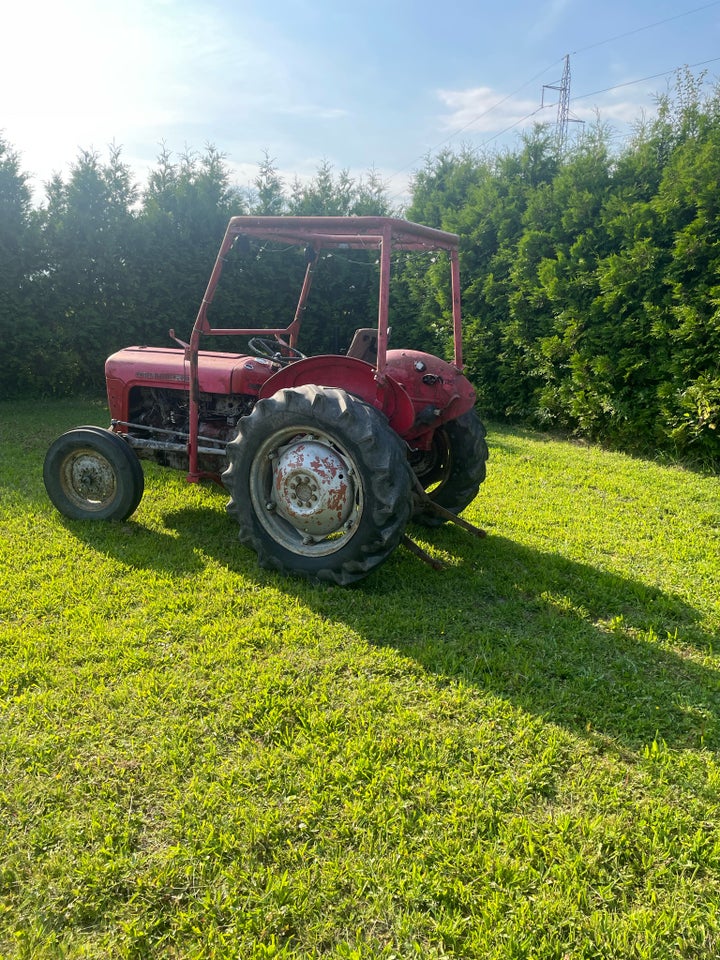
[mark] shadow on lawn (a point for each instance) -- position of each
(587, 649)
(592, 651)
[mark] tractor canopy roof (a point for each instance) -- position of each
(384, 234)
(344, 232)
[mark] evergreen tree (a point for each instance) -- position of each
(87, 293)
(269, 199)
(591, 281)
(345, 285)
(185, 209)
(20, 266)
(688, 208)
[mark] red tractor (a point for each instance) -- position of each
(325, 458)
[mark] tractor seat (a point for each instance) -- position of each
(364, 345)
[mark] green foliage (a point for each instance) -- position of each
(103, 264)
(20, 265)
(345, 287)
(184, 213)
(591, 280)
(338, 195)
(262, 281)
(269, 198)
(515, 757)
(86, 298)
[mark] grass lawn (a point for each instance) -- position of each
(516, 757)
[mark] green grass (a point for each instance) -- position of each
(513, 758)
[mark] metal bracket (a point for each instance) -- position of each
(430, 504)
(422, 554)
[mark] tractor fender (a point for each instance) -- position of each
(354, 376)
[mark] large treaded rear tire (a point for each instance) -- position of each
(461, 455)
(315, 442)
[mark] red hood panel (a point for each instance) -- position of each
(222, 373)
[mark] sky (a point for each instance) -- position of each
(381, 84)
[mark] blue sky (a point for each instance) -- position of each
(379, 84)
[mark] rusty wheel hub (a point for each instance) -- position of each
(313, 487)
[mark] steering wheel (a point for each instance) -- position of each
(274, 350)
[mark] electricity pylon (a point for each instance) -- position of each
(563, 107)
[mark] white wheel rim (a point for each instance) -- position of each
(88, 479)
(306, 491)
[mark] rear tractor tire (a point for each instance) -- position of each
(452, 471)
(319, 484)
(92, 474)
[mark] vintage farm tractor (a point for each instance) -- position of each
(325, 458)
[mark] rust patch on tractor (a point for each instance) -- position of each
(326, 468)
(296, 459)
(336, 499)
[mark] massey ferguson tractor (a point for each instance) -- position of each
(325, 458)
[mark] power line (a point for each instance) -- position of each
(564, 88)
(654, 76)
(516, 123)
(648, 26)
(480, 116)
(500, 133)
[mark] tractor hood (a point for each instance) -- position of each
(168, 368)
(224, 373)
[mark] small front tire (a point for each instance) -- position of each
(92, 474)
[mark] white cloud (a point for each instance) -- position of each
(485, 110)
(624, 105)
(618, 112)
(312, 110)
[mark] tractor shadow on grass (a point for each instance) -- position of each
(599, 654)
(594, 652)
(587, 649)
(135, 546)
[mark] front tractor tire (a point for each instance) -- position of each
(319, 484)
(92, 474)
(452, 471)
